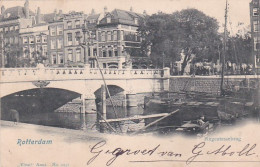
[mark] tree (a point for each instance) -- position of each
(189, 31)
(199, 35)
(155, 34)
(239, 49)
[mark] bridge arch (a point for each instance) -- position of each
(113, 90)
(37, 100)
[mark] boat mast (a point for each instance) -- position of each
(224, 52)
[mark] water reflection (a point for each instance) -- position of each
(72, 120)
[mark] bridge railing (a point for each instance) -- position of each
(19, 74)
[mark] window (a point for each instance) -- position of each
(38, 39)
(103, 36)
(1, 29)
(122, 35)
(16, 28)
(6, 40)
(115, 35)
(108, 19)
(53, 44)
(93, 34)
(6, 29)
(59, 29)
(69, 38)
(104, 54)
(16, 40)
(38, 48)
(104, 65)
(255, 11)
(13, 28)
(11, 40)
(32, 51)
(110, 53)
(78, 55)
(60, 43)
(25, 40)
(109, 38)
(44, 50)
(255, 26)
(31, 39)
(53, 31)
(61, 60)
(77, 23)
(116, 53)
(69, 24)
(70, 55)
(54, 58)
(25, 51)
(77, 37)
(95, 52)
(44, 39)
(136, 20)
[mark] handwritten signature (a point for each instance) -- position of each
(198, 150)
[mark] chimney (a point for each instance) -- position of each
(55, 14)
(105, 10)
(92, 12)
(26, 8)
(2, 9)
(38, 16)
(145, 13)
(131, 9)
(60, 12)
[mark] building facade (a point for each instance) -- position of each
(11, 21)
(34, 44)
(116, 36)
(255, 31)
(71, 39)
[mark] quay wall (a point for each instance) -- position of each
(210, 84)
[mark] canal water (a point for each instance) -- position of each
(72, 120)
(66, 119)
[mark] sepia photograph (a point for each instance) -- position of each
(132, 83)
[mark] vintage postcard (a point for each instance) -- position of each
(132, 83)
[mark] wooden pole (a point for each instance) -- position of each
(154, 122)
(101, 116)
(224, 52)
(103, 78)
(103, 99)
(83, 112)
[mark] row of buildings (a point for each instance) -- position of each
(69, 39)
(255, 32)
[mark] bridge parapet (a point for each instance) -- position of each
(29, 74)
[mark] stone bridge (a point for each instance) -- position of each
(84, 81)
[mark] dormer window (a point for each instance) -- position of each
(7, 15)
(136, 21)
(255, 11)
(69, 24)
(108, 19)
(77, 22)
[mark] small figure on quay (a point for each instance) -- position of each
(14, 116)
(201, 120)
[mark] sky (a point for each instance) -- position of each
(238, 9)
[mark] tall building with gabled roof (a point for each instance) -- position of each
(116, 32)
(11, 21)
